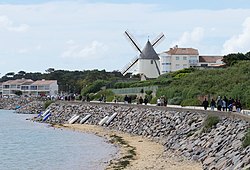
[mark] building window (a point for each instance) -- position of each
(152, 61)
(33, 87)
(184, 58)
(13, 86)
(204, 65)
(166, 63)
(185, 66)
(46, 87)
(24, 87)
(177, 58)
(6, 86)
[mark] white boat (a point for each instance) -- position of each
(72, 117)
(85, 118)
(72, 121)
(47, 116)
(111, 118)
(103, 120)
(47, 111)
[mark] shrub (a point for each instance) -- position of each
(190, 102)
(209, 122)
(148, 92)
(153, 100)
(175, 100)
(109, 95)
(47, 103)
(246, 139)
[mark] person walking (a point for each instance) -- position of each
(219, 103)
(212, 104)
(205, 104)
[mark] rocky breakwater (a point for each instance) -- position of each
(26, 105)
(33, 107)
(181, 131)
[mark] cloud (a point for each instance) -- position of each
(190, 38)
(7, 24)
(240, 42)
(93, 51)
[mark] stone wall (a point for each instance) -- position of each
(179, 130)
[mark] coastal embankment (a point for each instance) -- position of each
(24, 105)
(181, 132)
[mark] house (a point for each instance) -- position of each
(29, 87)
(44, 87)
(179, 58)
(10, 87)
(210, 61)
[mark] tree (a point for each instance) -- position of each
(50, 70)
(233, 58)
(10, 74)
(21, 73)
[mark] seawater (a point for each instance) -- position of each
(27, 145)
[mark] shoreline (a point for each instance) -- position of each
(136, 152)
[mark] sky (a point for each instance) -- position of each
(84, 35)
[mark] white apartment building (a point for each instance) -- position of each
(180, 58)
(29, 87)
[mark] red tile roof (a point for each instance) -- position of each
(209, 59)
(19, 82)
(44, 82)
(183, 51)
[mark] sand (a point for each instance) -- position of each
(136, 152)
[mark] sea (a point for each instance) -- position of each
(28, 145)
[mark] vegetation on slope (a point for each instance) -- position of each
(246, 140)
(231, 82)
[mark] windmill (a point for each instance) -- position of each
(147, 64)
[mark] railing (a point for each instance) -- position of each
(134, 90)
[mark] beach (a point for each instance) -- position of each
(136, 152)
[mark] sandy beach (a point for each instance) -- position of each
(137, 152)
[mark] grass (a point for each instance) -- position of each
(210, 122)
(47, 103)
(246, 139)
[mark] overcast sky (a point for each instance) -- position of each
(83, 35)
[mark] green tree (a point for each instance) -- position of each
(231, 59)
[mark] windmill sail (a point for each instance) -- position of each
(132, 40)
(129, 65)
(158, 39)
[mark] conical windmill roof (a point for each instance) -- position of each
(148, 52)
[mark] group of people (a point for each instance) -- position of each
(223, 104)
(139, 100)
(162, 101)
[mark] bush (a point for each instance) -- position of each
(190, 102)
(209, 122)
(109, 95)
(47, 103)
(246, 139)
(153, 100)
(148, 92)
(175, 100)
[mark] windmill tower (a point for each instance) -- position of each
(147, 64)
